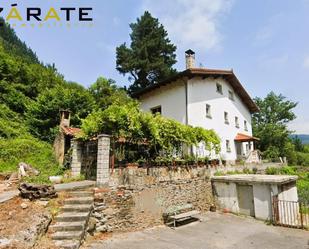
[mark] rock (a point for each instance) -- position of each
(55, 179)
(23, 205)
(13, 177)
(43, 203)
(26, 170)
(32, 192)
(103, 220)
(97, 215)
(100, 208)
(5, 242)
(91, 225)
(102, 228)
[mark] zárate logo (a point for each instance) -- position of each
(36, 16)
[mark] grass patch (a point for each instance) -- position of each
(31, 151)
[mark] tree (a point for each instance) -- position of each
(298, 144)
(106, 92)
(43, 114)
(151, 54)
(270, 125)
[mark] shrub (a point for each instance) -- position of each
(302, 159)
(272, 153)
(271, 171)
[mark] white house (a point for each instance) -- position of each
(208, 98)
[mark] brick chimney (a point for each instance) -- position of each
(190, 58)
(65, 116)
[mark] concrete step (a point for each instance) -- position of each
(79, 208)
(79, 200)
(68, 244)
(72, 216)
(68, 226)
(74, 185)
(81, 193)
(69, 235)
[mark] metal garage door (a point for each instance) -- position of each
(245, 199)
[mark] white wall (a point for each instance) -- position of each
(171, 98)
(288, 192)
(202, 92)
(226, 194)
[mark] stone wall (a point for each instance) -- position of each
(139, 197)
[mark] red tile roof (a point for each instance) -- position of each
(204, 73)
(245, 138)
(70, 131)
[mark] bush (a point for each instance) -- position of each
(303, 190)
(271, 171)
(302, 159)
(272, 153)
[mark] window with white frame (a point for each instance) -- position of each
(231, 95)
(245, 125)
(236, 122)
(208, 111)
(226, 118)
(228, 146)
(219, 88)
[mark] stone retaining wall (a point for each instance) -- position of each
(139, 197)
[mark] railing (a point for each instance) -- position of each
(290, 213)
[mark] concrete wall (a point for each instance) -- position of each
(202, 92)
(226, 196)
(288, 192)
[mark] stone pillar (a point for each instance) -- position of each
(103, 159)
(76, 157)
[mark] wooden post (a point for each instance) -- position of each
(301, 215)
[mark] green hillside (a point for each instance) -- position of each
(31, 95)
(26, 86)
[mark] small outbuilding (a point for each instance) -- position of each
(254, 194)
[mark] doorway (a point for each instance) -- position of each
(245, 199)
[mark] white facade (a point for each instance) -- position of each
(202, 92)
(185, 100)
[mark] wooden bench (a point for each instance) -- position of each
(175, 214)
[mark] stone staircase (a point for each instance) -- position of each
(71, 223)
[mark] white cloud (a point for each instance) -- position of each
(191, 24)
(306, 62)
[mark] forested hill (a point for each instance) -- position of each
(31, 95)
(12, 43)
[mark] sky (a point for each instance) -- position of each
(265, 42)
